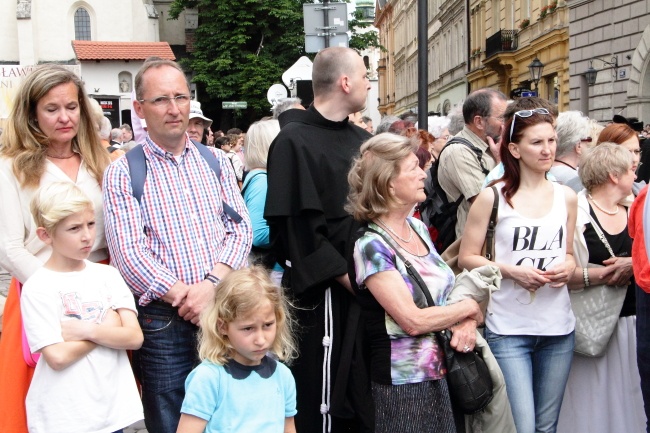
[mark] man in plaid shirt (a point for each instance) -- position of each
(175, 243)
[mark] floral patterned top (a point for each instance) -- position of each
(398, 358)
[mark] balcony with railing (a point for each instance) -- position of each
(503, 40)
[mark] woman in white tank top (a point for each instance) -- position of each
(529, 322)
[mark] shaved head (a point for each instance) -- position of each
(329, 65)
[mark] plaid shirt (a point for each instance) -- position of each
(179, 230)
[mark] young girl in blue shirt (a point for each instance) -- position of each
(238, 386)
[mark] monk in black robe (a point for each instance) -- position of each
(310, 234)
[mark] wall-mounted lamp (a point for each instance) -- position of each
(535, 68)
(591, 73)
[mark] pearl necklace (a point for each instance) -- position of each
(396, 235)
(603, 210)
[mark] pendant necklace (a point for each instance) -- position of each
(396, 235)
(603, 210)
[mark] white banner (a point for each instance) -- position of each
(10, 79)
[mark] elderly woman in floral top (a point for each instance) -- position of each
(407, 364)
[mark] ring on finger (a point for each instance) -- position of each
(466, 348)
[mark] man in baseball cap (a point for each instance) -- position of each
(198, 122)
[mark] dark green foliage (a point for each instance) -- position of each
(242, 47)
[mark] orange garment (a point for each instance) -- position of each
(15, 374)
(640, 263)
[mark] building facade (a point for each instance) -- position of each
(613, 37)
(94, 35)
(506, 36)
(446, 55)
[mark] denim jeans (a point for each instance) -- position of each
(643, 346)
(536, 369)
(167, 356)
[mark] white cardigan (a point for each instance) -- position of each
(21, 251)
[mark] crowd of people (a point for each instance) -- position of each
(292, 278)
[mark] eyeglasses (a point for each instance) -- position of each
(444, 137)
(587, 139)
(525, 113)
(163, 101)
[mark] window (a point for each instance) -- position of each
(81, 25)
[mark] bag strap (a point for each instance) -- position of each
(138, 171)
(409, 268)
(601, 236)
(489, 235)
(250, 181)
(478, 152)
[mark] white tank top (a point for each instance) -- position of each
(538, 242)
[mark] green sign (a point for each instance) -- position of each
(232, 105)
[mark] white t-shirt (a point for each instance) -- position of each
(538, 242)
(98, 392)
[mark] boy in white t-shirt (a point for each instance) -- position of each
(81, 317)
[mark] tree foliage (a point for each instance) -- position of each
(242, 47)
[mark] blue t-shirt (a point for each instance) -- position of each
(239, 398)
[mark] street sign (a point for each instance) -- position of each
(325, 25)
(234, 105)
(529, 94)
(313, 17)
(314, 43)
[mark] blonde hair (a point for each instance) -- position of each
(258, 139)
(24, 141)
(55, 202)
(371, 173)
(601, 161)
(238, 294)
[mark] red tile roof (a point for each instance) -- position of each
(94, 50)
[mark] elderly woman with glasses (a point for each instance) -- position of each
(603, 393)
(529, 322)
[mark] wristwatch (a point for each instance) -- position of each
(213, 279)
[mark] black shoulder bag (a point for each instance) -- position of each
(468, 378)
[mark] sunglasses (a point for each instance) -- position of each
(525, 113)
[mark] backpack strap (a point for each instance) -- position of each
(478, 152)
(138, 171)
(251, 181)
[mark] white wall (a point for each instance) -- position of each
(47, 36)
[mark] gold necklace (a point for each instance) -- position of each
(603, 210)
(60, 157)
(395, 234)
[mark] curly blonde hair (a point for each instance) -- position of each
(239, 293)
(371, 173)
(24, 141)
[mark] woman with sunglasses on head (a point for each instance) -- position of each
(529, 322)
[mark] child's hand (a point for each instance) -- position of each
(76, 330)
(111, 318)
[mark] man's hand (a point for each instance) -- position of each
(176, 294)
(494, 148)
(198, 296)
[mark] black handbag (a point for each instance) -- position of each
(468, 378)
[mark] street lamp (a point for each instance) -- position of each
(536, 67)
(591, 73)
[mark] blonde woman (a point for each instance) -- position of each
(50, 136)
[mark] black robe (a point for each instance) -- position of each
(307, 166)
